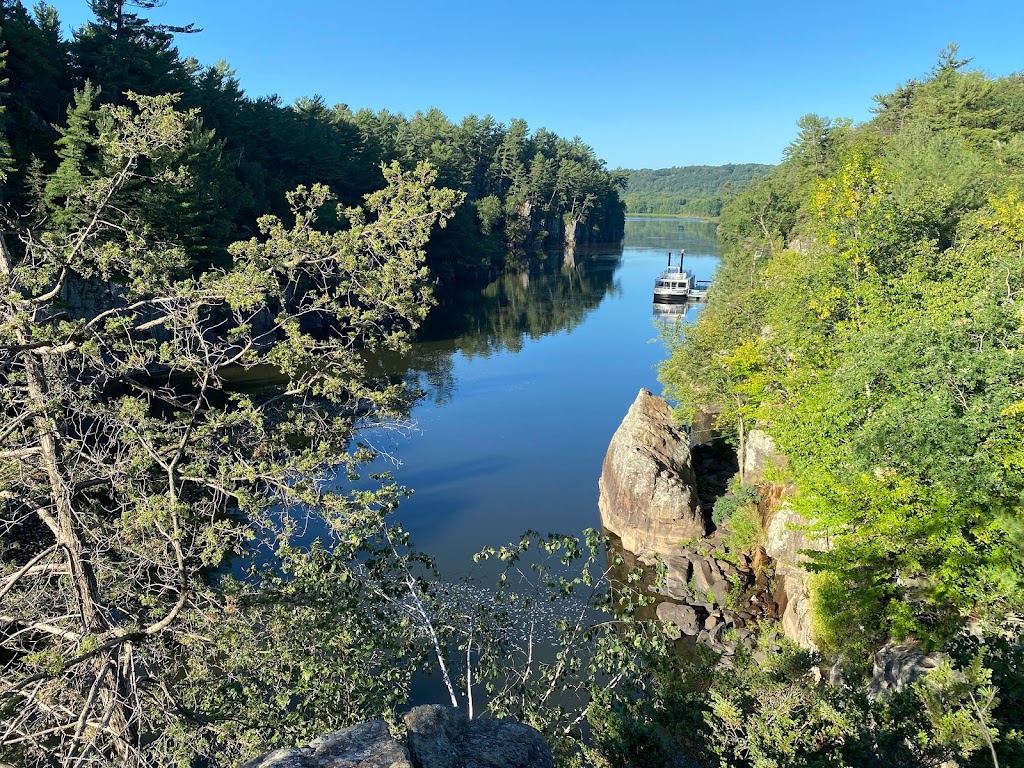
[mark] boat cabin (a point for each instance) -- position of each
(677, 285)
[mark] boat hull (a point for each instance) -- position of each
(670, 298)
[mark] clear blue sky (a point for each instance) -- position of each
(647, 84)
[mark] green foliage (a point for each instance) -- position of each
(739, 496)
(771, 709)
(695, 190)
(959, 704)
(746, 531)
(866, 314)
(528, 190)
(596, 651)
(147, 482)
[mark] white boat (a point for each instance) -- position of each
(677, 285)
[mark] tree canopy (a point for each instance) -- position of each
(693, 190)
(867, 315)
(523, 189)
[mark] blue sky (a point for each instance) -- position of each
(647, 84)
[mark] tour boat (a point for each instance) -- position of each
(677, 285)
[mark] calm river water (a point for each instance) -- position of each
(526, 381)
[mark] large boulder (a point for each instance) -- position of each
(648, 495)
(438, 737)
(684, 617)
(367, 745)
(443, 737)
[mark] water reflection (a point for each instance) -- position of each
(549, 295)
(693, 235)
(674, 312)
(543, 296)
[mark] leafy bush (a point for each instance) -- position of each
(739, 496)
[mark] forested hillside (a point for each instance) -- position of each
(867, 314)
(692, 190)
(523, 188)
(191, 571)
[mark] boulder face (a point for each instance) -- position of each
(438, 737)
(648, 490)
(443, 737)
(785, 542)
(760, 457)
(899, 665)
(367, 745)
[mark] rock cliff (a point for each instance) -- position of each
(785, 543)
(648, 495)
(438, 737)
(649, 500)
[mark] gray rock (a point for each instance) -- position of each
(715, 634)
(720, 589)
(677, 579)
(683, 616)
(787, 538)
(898, 665)
(703, 578)
(673, 589)
(443, 737)
(648, 496)
(679, 568)
(786, 543)
(367, 745)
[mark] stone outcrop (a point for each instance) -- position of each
(649, 500)
(443, 737)
(898, 665)
(786, 540)
(438, 737)
(759, 457)
(648, 496)
(367, 745)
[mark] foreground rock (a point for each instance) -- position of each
(438, 737)
(367, 745)
(443, 737)
(648, 490)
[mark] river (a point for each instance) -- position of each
(525, 381)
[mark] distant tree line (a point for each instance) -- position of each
(692, 190)
(523, 189)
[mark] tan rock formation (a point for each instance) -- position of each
(648, 495)
(785, 543)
